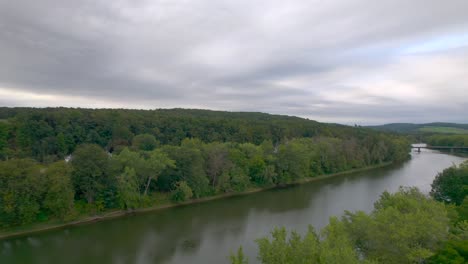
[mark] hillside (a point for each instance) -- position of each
(428, 128)
(128, 159)
(54, 132)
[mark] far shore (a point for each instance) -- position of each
(38, 228)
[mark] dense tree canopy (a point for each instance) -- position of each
(451, 185)
(448, 140)
(131, 158)
(404, 227)
(30, 192)
(90, 172)
(50, 133)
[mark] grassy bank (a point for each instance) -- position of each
(164, 204)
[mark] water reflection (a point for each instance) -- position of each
(205, 233)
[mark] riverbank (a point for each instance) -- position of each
(38, 228)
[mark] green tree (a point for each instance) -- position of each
(158, 161)
(462, 209)
(451, 186)
(189, 167)
(336, 246)
(3, 140)
(128, 189)
(132, 160)
(257, 171)
(146, 142)
(21, 189)
(404, 227)
(239, 257)
(453, 252)
(234, 180)
(239, 179)
(182, 192)
(59, 194)
(292, 162)
(333, 246)
(90, 165)
(62, 147)
(295, 249)
(217, 161)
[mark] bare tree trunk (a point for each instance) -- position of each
(147, 184)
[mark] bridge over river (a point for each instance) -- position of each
(418, 147)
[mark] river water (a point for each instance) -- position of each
(208, 232)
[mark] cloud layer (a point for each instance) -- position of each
(353, 61)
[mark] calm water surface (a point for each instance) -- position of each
(206, 233)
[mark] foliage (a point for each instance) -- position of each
(3, 140)
(451, 186)
(448, 140)
(462, 209)
(157, 162)
(295, 249)
(233, 180)
(404, 227)
(239, 258)
(292, 163)
(182, 192)
(146, 142)
(429, 128)
(332, 246)
(453, 252)
(122, 158)
(54, 132)
(90, 165)
(30, 192)
(59, 193)
(20, 191)
(443, 130)
(127, 188)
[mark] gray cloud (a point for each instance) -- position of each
(354, 61)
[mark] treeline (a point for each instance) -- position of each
(448, 140)
(404, 227)
(61, 163)
(138, 175)
(50, 134)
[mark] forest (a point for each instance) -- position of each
(404, 227)
(424, 129)
(63, 163)
(448, 140)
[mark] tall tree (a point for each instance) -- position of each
(146, 142)
(451, 185)
(128, 189)
(216, 161)
(90, 165)
(404, 227)
(21, 188)
(3, 140)
(59, 193)
(158, 161)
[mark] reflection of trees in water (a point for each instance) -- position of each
(157, 237)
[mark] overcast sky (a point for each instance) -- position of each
(349, 61)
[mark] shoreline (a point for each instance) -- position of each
(39, 228)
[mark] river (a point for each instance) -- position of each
(207, 232)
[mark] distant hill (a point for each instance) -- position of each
(50, 133)
(428, 128)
